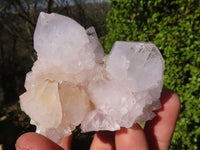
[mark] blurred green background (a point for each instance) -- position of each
(172, 25)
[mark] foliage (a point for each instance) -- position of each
(173, 26)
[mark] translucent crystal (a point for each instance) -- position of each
(75, 103)
(137, 64)
(73, 83)
(43, 98)
(57, 38)
(131, 89)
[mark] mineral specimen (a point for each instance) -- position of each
(72, 82)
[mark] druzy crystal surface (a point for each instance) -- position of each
(73, 83)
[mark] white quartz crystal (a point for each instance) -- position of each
(73, 83)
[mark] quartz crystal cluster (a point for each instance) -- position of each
(73, 83)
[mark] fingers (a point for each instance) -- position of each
(159, 131)
(156, 135)
(30, 141)
(124, 139)
(131, 139)
(66, 142)
(103, 140)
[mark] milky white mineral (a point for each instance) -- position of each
(72, 82)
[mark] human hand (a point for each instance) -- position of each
(156, 135)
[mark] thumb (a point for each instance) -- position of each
(30, 141)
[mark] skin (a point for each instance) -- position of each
(156, 135)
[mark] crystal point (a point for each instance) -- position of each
(73, 83)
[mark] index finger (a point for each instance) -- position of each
(159, 131)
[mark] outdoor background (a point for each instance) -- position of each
(172, 25)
